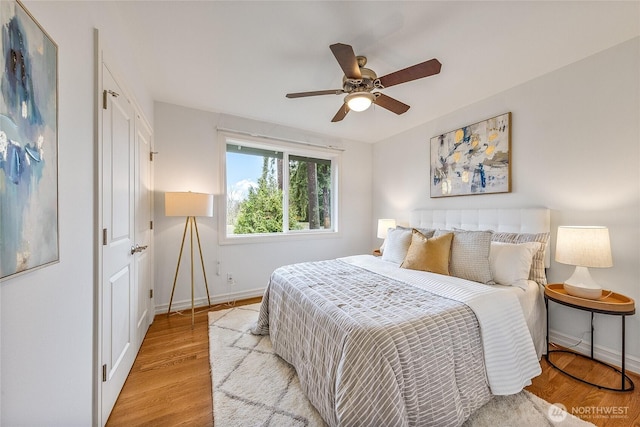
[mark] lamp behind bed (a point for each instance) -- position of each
(383, 227)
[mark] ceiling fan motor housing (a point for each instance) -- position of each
(366, 84)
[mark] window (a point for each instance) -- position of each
(278, 189)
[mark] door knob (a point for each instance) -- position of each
(138, 248)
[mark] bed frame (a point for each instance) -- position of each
(526, 220)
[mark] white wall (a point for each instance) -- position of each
(575, 149)
(188, 160)
(47, 315)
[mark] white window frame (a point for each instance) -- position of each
(287, 148)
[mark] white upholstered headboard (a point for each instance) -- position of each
(531, 220)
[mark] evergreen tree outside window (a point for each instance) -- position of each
(274, 189)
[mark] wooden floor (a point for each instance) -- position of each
(598, 406)
(170, 382)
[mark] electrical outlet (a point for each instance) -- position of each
(230, 280)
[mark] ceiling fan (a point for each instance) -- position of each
(359, 82)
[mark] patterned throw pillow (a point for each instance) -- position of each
(429, 254)
(470, 255)
(537, 272)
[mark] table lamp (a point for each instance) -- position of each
(583, 247)
(383, 227)
(189, 205)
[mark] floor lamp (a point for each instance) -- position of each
(190, 205)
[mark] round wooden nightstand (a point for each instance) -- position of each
(613, 304)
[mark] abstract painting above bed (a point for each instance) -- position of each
(473, 159)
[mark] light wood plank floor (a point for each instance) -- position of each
(170, 382)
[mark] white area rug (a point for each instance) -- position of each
(252, 386)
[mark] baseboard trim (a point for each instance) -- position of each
(605, 354)
(215, 299)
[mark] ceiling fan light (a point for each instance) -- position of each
(359, 101)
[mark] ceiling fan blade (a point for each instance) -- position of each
(342, 112)
(347, 60)
(315, 93)
(390, 104)
(418, 71)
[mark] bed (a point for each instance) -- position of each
(377, 342)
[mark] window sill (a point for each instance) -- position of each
(280, 237)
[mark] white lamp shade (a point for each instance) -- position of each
(188, 204)
(584, 246)
(383, 227)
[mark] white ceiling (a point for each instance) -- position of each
(241, 58)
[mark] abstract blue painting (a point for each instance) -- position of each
(473, 159)
(28, 143)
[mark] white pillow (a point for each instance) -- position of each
(537, 271)
(510, 263)
(396, 245)
(426, 232)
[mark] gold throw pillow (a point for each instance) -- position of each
(430, 255)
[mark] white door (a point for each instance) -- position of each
(144, 236)
(118, 281)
